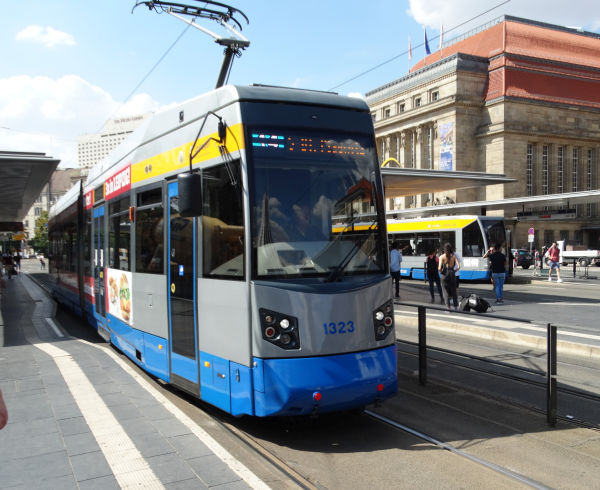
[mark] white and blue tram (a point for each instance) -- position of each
(234, 284)
(471, 236)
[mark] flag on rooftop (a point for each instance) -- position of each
(441, 35)
(409, 50)
(427, 50)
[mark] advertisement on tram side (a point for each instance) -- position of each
(118, 294)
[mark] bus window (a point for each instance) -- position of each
(473, 245)
(494, 232)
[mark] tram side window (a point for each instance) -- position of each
(222, 222)
(149, 232)
(119, 232)
(87, 249)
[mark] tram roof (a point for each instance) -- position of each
(400, 182)
(23, 176)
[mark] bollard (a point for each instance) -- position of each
(574, 268)
(551, 398)
(422, 346)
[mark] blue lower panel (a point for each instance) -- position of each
(418, 274)
(215, 381)
(467, 275)
(153, 350)
(345, 381)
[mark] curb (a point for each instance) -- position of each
(486, 333)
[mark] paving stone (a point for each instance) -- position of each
(189, 446)
(90, 465)
(212, 470)
(170, 468)
(81, 443)
(74, 425)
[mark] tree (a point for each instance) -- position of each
(40, 238)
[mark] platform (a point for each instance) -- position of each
(81, 417)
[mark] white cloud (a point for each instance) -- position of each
(47, 115)
(431, 13)
(47, 36)
(356, 95)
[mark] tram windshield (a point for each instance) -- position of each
(314, 209)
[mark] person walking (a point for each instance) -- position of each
(447, 268)
(395, 265)
(553, 254)
(457, 268)
(498, 263)
(433, 276)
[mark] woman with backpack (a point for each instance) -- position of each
(447, 267)
(433, 276)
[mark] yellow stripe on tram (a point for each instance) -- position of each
(438, 224)
(178, 157)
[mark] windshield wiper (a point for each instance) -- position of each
(336, 274)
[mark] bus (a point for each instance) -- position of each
(471, 237)
(204, 248)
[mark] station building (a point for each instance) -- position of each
(515, 97)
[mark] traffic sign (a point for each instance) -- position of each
(530, 238)
(531, 231)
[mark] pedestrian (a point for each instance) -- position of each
(553, 254)
(3, 412)
(433, 276)
(447, 269)
(395, 265)
(498, 263)
(486, 255)
(42, 263)
(457, 268)
(18, 262)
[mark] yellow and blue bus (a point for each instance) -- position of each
(470, 236)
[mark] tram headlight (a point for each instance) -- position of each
(279, 329)
(383, 320)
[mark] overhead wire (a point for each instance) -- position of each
(417, 46)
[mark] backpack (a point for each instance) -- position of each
(463, 305)
(478, 304)
(432, 266)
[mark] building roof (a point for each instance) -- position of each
(527, 60)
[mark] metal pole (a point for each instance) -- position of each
(574, 268)
(551, 397)
(422, 345)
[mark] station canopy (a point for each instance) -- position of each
(23, 176)
(400, 182)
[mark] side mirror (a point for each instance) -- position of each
(190, 194)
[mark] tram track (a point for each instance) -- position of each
(448, 447)
(516, 374)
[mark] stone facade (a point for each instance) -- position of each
(511, 99)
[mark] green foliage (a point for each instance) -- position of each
(40, 240)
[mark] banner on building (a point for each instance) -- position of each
(446, 146)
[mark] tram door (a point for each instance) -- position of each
(182, 279)
(98, 257)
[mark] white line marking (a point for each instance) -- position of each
(54, 327)
(127, 464)
(236, 466)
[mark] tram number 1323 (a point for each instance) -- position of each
(333, 328)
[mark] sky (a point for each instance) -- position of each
(66, 66)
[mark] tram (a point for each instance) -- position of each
(471, 237)
(205, 249)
